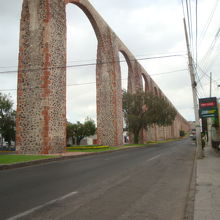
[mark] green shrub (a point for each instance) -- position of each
(182, 133)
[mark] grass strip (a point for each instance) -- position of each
(86, 147)
(10, 159)
(92, 149)
(162, 141)
(134, 145)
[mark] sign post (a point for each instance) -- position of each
(208, 108)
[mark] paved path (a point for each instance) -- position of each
(207, 199)
(139, 184)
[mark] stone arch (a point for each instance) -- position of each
(127, 60)
(159, 93)
(108, 78)
(155, 91)
(41, 112)
(84, 5)
(77, 17)
(130, 70)
(146, 83)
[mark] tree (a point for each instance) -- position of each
(79, 130)
(7, 119)
(70, 131)
(141, 110)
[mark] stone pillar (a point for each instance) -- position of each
(109, 92)
(41, 93)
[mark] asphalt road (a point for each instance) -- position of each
(137, 184)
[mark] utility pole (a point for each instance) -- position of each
(199, 152)
(209, 120)
(210, 84)
(209, 126)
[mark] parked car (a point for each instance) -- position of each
(193, 136)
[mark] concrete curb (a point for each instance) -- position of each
(37, 162)
(189, 208)
(59, 158)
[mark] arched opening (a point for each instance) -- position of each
(126, 71)
(160, 93)
(155, 90)
(145, 83)
(125, 68)
(81, 52)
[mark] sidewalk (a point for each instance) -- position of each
(207, 197)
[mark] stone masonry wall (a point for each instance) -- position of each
(41, 117)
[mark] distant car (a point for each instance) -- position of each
(193, 131)
(5, 144)
(193, 136)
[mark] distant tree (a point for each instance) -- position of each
(70, 131)
(79, 130)
(141, 110)
(7, 119)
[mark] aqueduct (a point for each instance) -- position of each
(41, 102)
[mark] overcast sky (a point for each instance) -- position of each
(148, 28)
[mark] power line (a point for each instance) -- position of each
(206, 26)
(183, 8)
(191, 26)
(207, 60)
(89, 83)
(209, 52)
(196, 33)
(188, 21)
(92, 64)
(207, 77)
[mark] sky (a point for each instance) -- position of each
(148, 28)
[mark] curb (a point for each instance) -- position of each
(190, 199)
(59, 158)
(37, 162)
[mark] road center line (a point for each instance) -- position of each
(153, 158)
(42, 206)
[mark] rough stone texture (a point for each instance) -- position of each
(41, 117)
(41, 109)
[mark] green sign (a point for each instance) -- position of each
(206, 113)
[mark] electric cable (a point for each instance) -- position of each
(91, 64)
(207, 25)
(88, 83)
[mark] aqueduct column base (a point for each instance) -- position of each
(41, 102)
(109, 93)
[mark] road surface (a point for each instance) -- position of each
(137, 184)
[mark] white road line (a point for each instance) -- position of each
(42, 206)
(153, 158)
